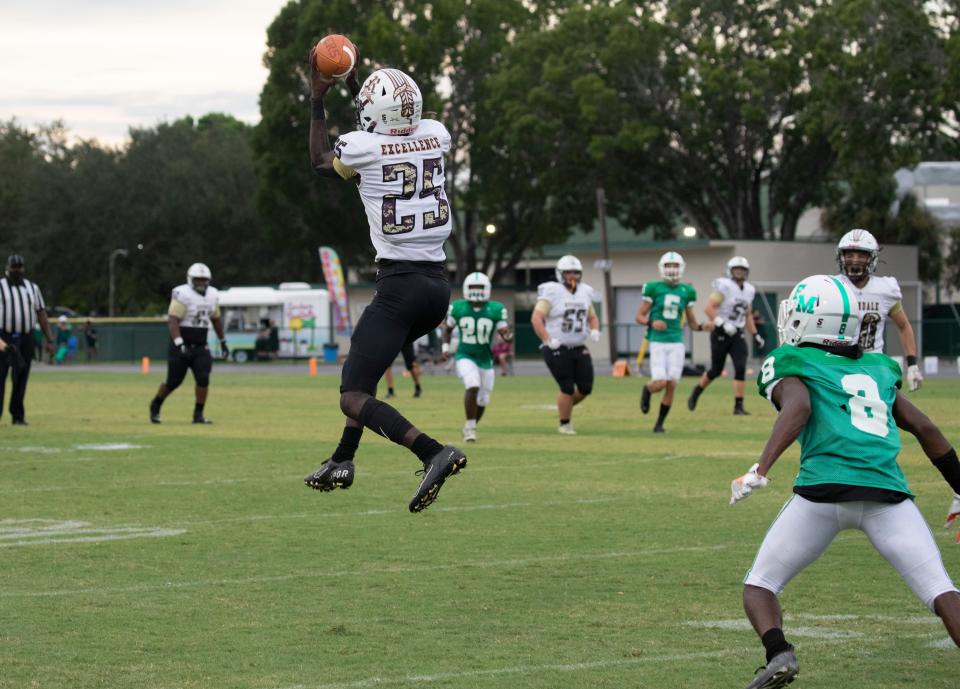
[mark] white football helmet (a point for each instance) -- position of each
(476, 287)
(858, 240)
(737, 262)
(820, 310)
(389, 102)
(674, 273)
(566, 264)
(198, 271)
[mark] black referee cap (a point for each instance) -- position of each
(15, 260)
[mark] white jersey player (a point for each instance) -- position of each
(878, 298)
(194, 307)
(730, 307)
(397, 160)
(563, 318)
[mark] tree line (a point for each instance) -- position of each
(734, 117)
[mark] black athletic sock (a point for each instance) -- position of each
(738, 403)
(564, 422)
(389, 391)
(425, 447)
(416, 388)
(381, 418)
(197, 410)
(349, 442)
(157, 402)
(480, 411)
(774, 642)
(664, 410)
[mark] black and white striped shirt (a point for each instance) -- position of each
(18, 306)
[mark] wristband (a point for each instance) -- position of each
(949, 467)
(178, 341)
(911, 360)
(445, 348)
(317, 112)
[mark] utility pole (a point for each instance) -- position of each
(113, 260)
(607, 265)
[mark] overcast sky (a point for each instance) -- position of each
(103, 66)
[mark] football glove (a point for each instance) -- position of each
(554, 343)
(224, 350)
(758, 341)
(953, 512)
(728, 327)
(914, 378)
(742, 486)
(595, 335)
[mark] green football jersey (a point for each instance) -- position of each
(669, 303)
(850, 437)
(477, 328)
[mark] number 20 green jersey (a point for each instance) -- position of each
(477, 329)
(851, 437)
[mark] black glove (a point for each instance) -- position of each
(224, 350)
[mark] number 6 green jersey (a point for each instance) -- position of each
(851, 437)
(477, 328)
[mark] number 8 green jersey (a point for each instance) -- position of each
(477, 328)
(851, 437)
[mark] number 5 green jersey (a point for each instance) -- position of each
(477, 327)
(669, 303)
(851, 437)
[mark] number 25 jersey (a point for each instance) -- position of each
(402, 189)
(567, 318)
(851, 437)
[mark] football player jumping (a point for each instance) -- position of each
(563, 318)
(395, 158)
(879, 297)
(664, 304)
(477, 319)
(730, 308)
(844, 406)
(194, 307)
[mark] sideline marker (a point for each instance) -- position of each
(145, 365)
(312, 365)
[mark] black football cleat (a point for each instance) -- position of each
(694, 396)
(417, 392)
(201, 420)
(331, 475)
(154, 412)
(19, 422)
(436, 470)
(740, 411)
(645, 400)
(659, 429)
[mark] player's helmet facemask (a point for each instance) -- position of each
(477, 288)
(857, 254)
(198, 277)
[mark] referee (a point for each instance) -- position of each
(21, 308)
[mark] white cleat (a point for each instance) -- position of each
(470, 435)
(566, 429)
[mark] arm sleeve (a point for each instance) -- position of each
(504, 321)
(543, 306)
(344, 171)
(216, 311)
(451, 323)
(40, 304)
(177, 309)
(648, 291)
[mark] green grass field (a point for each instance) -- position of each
(197, 559)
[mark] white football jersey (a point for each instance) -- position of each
(402, 187)
(737, 300)
(877, 299)
(567, 319)
(200, 308)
